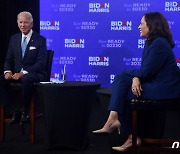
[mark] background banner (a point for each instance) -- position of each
(98, 39)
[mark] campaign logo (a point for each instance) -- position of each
(177, 43)
(111, 43)
(121, 25)
(63, 7)
(64, 60)
(49, 42)
(89, 77)
(99, 7)
(135, 7)
(112, 76)
(85, 77)
(141, 43)
(55, 77)
(49, 25)
(170, 23)
(86, 25)
(91, 25)
(67, 60)
(74, 43)
(172, 6)
(178, 62)
(134, 61)
(99, 61)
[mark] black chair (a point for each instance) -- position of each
(17, 86)
(154, 144)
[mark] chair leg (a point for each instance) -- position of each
(21, 108)
(32, 120)
(134, 132)
(1, 123)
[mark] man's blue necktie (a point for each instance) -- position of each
(24, 45)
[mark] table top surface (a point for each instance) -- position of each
(68, 84)
(104, 91)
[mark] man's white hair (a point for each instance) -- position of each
(27, 13)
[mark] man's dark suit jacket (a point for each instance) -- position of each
(34, 61)
(159, 74)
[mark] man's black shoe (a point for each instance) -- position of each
(15, 118)
(24, 119)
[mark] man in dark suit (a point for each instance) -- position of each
(25, 63)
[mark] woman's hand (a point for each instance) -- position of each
(136, 86)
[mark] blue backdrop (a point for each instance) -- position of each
(98, 39)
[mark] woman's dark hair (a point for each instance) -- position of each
(158, 26)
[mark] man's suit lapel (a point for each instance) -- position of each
(18, 45)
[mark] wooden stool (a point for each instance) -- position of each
(18, 86)
(3, 120)
(140, 105)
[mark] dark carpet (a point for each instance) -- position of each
(15, 142)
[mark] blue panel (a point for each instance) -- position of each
(98, 39)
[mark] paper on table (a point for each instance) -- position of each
(61, 81)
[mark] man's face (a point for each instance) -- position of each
(25, 23)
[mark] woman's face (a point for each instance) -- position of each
(144, 30)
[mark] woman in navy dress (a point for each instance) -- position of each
(157, 78)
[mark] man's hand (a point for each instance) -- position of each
(136, 86)
(17, 76)
(8, 75)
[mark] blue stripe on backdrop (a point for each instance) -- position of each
(98, 39)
